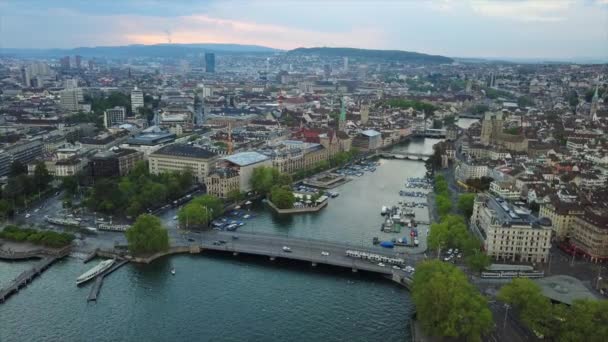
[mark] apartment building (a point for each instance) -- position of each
(562, 214)
(590, 234)
(510, 233)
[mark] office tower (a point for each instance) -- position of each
(65, 62)
(71, 98)
(114, 116)
(26, 77)
(78, 61)
(345, 63)
(209, 62)
(342, 121)
(71, 83)
(137, 100)
(327, 70)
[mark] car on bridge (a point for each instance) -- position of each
(324, 253)
(286, 249)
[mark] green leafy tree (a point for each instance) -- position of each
(585, 320)
(147, 235)
(465, 204)
(235, 195)
(478, 261)
(533, 307)
(263, 178)
(214, 205)
(444, 204)
(42, 177)
(69, 185)
(447, 304)
(282, 197)
(17, 168)
(193, 215)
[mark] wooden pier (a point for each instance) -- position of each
(27, 276)
(99, 280)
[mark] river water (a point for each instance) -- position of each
(218, 298)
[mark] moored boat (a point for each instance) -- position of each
(95, 271)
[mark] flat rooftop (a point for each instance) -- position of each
(184, 150)
(564, 289)
(246, 158)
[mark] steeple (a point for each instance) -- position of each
(595, 100)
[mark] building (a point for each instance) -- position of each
(69, 167)
(209, 62)
(222, 181)
(25, 151)
(590, 234)
(470, 169)
(364, 111)
(506, 190)
(562, 214)
(137, 100)
(182, 157)
(150, 140)
(5, 163)
(114, 116)
(510, 233)
(114, 163)
(368, 140)
(26, 77)
(71, 99)
(244, 163)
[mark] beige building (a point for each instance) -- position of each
(222, 181)
(510, 233)
(182, 157)
(562, 215)
(590, 234)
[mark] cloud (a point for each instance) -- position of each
(524, 10)
(204, 28)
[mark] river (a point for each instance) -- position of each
(215, 298)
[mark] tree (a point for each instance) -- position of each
(263, 178)
(282, 197)
(527, 298)
(235, 195)
(193, 215)
(478, 261)
(17, 168)
(214, 205)
(42, 177)
(447, 304)
(585, 320)
(444, 204)
(69, 185)
(465, 204)
(147, 235)
(525, 101)
(573, 99)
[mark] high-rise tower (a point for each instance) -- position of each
(342, 120)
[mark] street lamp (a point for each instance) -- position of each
(504, 325)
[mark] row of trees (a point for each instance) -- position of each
(447, 304)
(282, 197)
(38, 237)
(421, 106)
(339, 159)
(22, 188)
(442, 198)
(584, 320)
(200, 211)
(137, 192)
(263, 178)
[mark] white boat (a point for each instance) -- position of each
(383, 211)
(95, 271)
(173, 271)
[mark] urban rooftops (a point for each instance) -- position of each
(246, 158)
(186, 151)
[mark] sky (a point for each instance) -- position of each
(554, 29)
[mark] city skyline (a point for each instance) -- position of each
(557, 30)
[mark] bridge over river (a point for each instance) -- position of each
(300, 249)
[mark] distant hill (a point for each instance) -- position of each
(157, 50)
(394, 55)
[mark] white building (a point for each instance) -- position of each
(71, 99)
(510, 233)
(114, 116)
(182, 157)
(467, 170)
(137, 100)
(505, 190)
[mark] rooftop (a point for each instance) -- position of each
(564, 289)
(246, 158)
(370, 133)
(183, 150)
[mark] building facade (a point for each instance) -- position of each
(114, 116)
(510, 233)
(181, 158)
(137, 100)
(590, 234)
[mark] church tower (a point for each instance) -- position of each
(595, 101)
(342, 121)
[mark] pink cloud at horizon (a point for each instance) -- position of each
(205, 29)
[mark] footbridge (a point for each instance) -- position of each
(405, 155)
